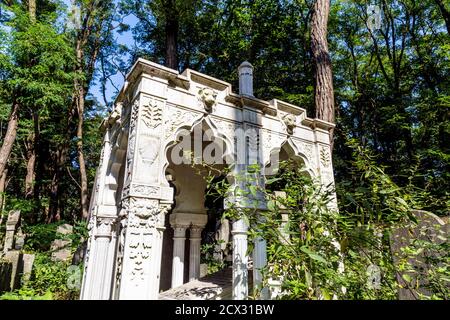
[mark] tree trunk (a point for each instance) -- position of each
(79, 96)
(323, 94)
(171, 27)
(54, 211)
(32, 10)
(2, 193)
(31, 158)
(10, 137)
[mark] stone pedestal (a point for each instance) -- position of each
(139, 277)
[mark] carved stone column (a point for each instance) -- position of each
(139, 275)
(240, 260)
(157, 248)
(99, 212)
(179, 240)
(195, 239)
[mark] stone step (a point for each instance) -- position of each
(216, 286)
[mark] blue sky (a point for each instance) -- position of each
(126, 38)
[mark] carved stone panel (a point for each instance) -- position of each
(270, 141)
(142, 217)
(152, 113)
(306, 150)
(176, 118)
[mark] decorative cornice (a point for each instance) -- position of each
(142, 66)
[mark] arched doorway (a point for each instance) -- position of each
(197, 155)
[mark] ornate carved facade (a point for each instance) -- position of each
(141, 193)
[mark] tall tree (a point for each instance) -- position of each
(90, 38)
(171, 27)
(33, 138)
(36, 79)
(444, 7)
(323, 76)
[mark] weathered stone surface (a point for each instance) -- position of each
(61, 248)
(79, 254)
(14, 257)
(15, 269)
(19, 239)
(27, 266)
(203, 270)
(217, 286)
(65, 229)
(5, 275)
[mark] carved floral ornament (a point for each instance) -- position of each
(152, 113)
(325, 156)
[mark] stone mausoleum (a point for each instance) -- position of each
(147, 209)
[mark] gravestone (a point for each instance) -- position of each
(11, 225)
(61, 248)
(14, 258)
(429, 228)
(5, 275)
(27, 266)
(78, 256)
(19, 239)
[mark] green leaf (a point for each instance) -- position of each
(313, 255)
(407, 277)
(272, 180)
(253, 190)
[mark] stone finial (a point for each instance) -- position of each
(246, 79)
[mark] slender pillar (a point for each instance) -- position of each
(165, 207)
(101, 272)
(179, 239)
(259, 262)
(194, 252)
(240, 260)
